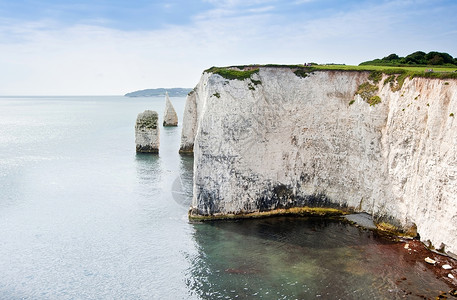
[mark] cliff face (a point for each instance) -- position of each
(278, 140)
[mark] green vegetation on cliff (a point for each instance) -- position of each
(301, 73)
(367, 91)
(440, 72)
(396, 75)
(233, 73)
(400, 73)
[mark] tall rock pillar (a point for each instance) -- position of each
(170, 118)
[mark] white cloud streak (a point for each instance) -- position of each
(42, 58)
(303, 1)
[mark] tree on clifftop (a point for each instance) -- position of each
(419, 58)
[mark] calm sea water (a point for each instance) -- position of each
(83, 217)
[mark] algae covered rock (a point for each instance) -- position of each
(147, 132)
(170, 118)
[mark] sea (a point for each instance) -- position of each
(82, 216)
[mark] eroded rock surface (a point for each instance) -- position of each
(170, 118)
(147, 132)
(189, 127)
(279, 140)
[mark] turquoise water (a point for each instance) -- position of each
(83, 217)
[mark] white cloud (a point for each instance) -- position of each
(92, 60)
(42, 59)
(46, 58)
(262, 9)
(297, 2)
(238, 3)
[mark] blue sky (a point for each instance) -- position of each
(96, 47)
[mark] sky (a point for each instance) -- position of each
(112, 47)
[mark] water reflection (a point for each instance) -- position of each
(149, 172)
(187, 169)
(169, 142)
(171, 131)
(148, 168)
(298, 258)
(182, 185)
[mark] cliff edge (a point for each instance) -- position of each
(281, 138)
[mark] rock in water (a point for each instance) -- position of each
(147, 132)
(430, 261)
(170, 118)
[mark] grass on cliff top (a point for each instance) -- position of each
(440, 72)
(231, 73)
(384, 68)
(244, 72)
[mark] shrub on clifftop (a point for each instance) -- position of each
(418, 58)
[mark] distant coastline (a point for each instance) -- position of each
(172, 92)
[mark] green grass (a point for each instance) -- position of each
(374, 100)
(366, 90)
(390, 79)
(384, 69)
(400, 80)
(375, 76)
(301, 73)
(229, 73)
(402, 72)
(375, 72)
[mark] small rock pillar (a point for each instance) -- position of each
(170, 118)
(147, 132)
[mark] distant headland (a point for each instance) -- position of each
(172, 92)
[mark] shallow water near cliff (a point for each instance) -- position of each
(83, 216)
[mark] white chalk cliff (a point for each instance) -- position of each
(280, 140)
(170, 118)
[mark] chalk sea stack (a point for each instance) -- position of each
(170, 118)
(147, 132)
